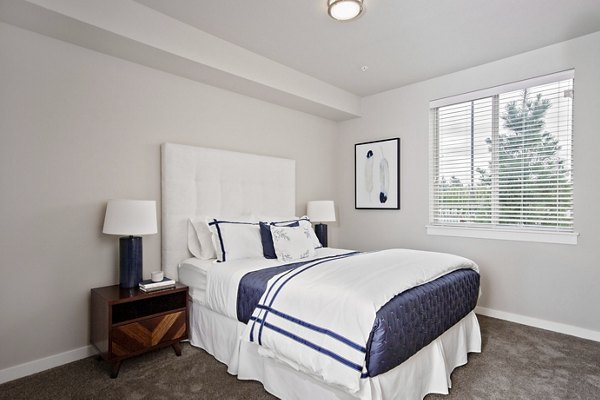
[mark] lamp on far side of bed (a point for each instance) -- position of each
(321, 211)
(130, 218)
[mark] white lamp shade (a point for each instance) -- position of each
(321, 210)
(130, 217)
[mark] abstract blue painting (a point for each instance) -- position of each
(377, 174)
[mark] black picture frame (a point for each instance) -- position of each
(377, 175)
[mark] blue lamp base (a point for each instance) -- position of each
(130, 257)
(321, 231)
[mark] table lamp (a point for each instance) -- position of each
(130, 218)
(321, 211)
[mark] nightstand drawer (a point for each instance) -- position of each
(138, 336)
(167, 301)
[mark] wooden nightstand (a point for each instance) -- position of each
(129, 322)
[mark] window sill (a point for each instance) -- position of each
(504, 234)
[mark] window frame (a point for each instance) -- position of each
(492, 231)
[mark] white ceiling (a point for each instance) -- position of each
(401, 41)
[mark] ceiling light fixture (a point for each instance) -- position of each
(344, 10)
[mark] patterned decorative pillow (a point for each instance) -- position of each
(267, 239)
(292, 243)
(304, 221)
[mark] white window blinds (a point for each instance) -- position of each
(502, 157)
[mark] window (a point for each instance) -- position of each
(501, 162)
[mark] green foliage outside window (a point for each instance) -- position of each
(533, 185)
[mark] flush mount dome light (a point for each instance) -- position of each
(344, 10)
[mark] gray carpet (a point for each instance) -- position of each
(517, 362)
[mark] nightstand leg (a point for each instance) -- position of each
(114, 372)
(177, 348)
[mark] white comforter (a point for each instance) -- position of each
(224, 278)
(319, 320)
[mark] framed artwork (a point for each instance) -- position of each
(377, 175)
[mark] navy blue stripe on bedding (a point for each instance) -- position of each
(253, 285)
(297, 271)
(315, 328)
(271, 272)
(216, 223)
(308, 343)
(220, 237)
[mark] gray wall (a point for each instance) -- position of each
(77, 128)
(546, 281)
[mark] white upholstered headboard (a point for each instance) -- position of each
(198, 181)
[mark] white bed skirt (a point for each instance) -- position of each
(428, 371)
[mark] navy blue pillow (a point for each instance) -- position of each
(267, 239)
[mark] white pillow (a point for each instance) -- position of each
(192, 240)
(304, 221)
(202, 247)
(234, 240)
(292, 243)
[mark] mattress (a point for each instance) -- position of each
(193, 272)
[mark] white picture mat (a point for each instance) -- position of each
(369, 159)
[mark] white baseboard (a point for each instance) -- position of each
(32, 367)
(540, 323)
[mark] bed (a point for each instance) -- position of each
(232, 316)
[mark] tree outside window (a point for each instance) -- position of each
(505, 160)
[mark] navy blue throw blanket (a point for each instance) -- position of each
(414, 318)
(403, 326)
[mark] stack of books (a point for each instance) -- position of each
(149, 286)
